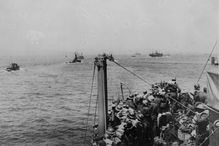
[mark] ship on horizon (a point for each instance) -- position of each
(156, 54)
(78, 58)
(13, 67)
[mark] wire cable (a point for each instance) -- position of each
(127, 87)
(208, 136)
(132, 73)
(207, 62)
(210, 108)
(181, 104)
(88, 113)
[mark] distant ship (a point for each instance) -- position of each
(156, 54)
(13, 67)
(78, 58)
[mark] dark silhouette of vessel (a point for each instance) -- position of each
(156, 54)
(80, 56)
(77, 59)
(13, 67)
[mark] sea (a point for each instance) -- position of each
(46, 102)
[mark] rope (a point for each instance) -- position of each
(208, 136)
(207, 61)
(210, 108)
(91, 91)
(126, 87)
(182, 104)
(132, 72)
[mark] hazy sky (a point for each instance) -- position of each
(116, 26)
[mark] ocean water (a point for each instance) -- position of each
(46, 102)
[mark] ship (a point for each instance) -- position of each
(156, 54)
(13, 67)
(120, 125)
(78, 58)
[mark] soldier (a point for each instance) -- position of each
(109, 137)
(201, 120)
(138, 101)
(154, 109)
(196, 89)
(130, 102)
(130, 136)
(172, 90)
(201, 96)
(113, 118)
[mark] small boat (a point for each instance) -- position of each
(13, 67)
(156, 54)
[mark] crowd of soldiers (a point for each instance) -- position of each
(162, 116)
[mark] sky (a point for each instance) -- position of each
(111, 26)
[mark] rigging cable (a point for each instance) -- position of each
(210, 108)
(208, 137)
(207, 62)
(131, 72)
(181, 104)
(88, 113)
(126, 87)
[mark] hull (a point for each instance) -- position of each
(75, 61)
(156, 54)
(13, 67)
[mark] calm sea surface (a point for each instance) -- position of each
(46, 102)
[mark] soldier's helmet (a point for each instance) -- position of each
(174, 80)
(205, 89)
(110, 131)
(216, 123)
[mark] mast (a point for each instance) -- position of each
(101, 64)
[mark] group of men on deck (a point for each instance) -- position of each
(162, 116)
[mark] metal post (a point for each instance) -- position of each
(100, 62)
(122, 91)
